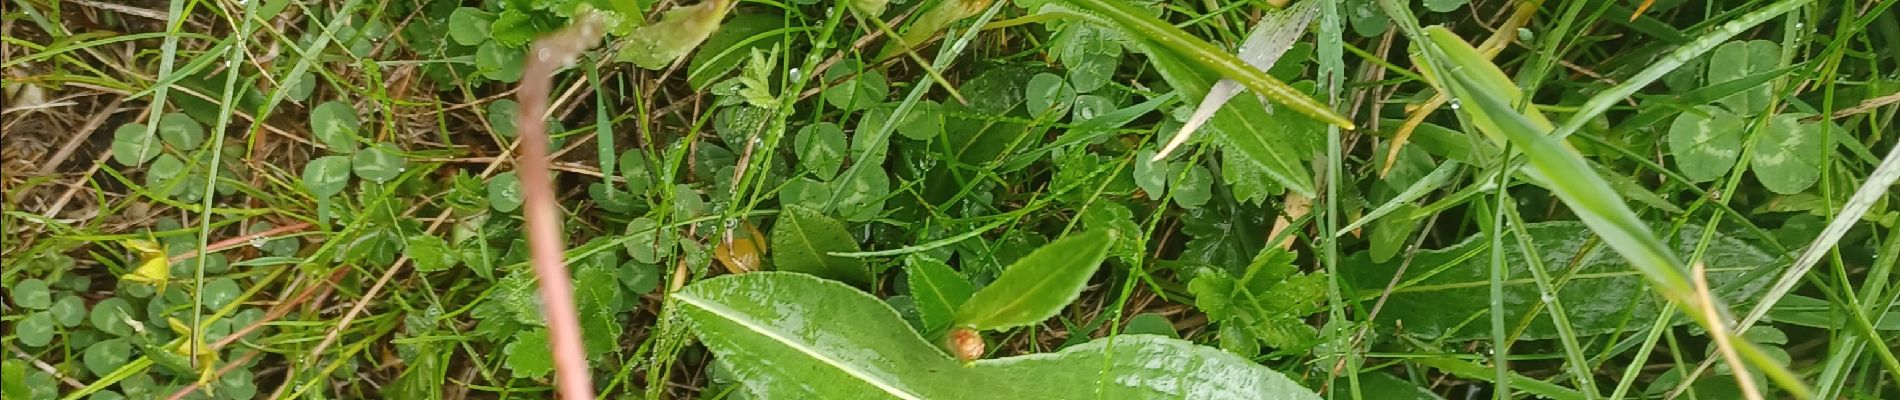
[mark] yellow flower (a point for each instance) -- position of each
(154, 267)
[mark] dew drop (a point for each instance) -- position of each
(1454, 104)
(258, 242)
(1549, 298)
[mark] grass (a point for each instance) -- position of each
(1410, 158)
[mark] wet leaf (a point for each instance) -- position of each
(469, 26)
(742, 249)
(504, 192)
(1048, 92)
(1444, 287)
(937, 290)
(802, 240)
(821, 149)
(796, 336)
(1038, 285)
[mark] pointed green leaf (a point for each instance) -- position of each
(803, 239)
(1038, 285)
(797, 336)
(938, 290)
(1137, 24)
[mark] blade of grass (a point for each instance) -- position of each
(1271, 38)
(1207, 56)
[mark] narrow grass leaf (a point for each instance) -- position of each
(1270, 39)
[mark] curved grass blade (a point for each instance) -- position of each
(1270, 39)
(1594, 202)
(1142, 25)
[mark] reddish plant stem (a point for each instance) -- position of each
(543, 216)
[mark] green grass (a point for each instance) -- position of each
(1423, 201)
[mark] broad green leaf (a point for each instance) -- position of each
(860, 197)
(1038, 285)
(1444, 6)
(796, 336)
(335, 125)
(501, 117)
(326, 176)
(1789, 153)
(430, 253)
(132, 145)
(379, 163)
(69, 311)
(820, 148)
(494, 60)
(31, 293)
(1706, 141)
(1047, 92)
(1739, 59)
(104, 357)
(1193, 189)
(220, 292)
(802, 240)
(924, 122)
(1150, 324)
(649, 240)
(639, 278)
(679, 31)
(35, 330)
(937, 290)
(469, 26)
(504, 192)
(512, 28)
(110, 316)
(864, 89)
(1445, 287)
(528, 354)
(180, 131)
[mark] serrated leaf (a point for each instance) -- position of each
(469, 26)
(504, 192)
(132, 145)
(326, 176)
(379, 163)
(796, 336)
(334, 124)
(937, 291)
(1737, 60)
(1789, 154)
(180, 131)
(1706, 142)
(679, 31)
(430, 253)
(1038, 285)
(1446, 286)
(803, 239)
(528, 355)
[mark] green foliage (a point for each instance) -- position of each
(762, 325)
(1038, 285)
(680, 30)
(1264, 304)
(803, 240)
